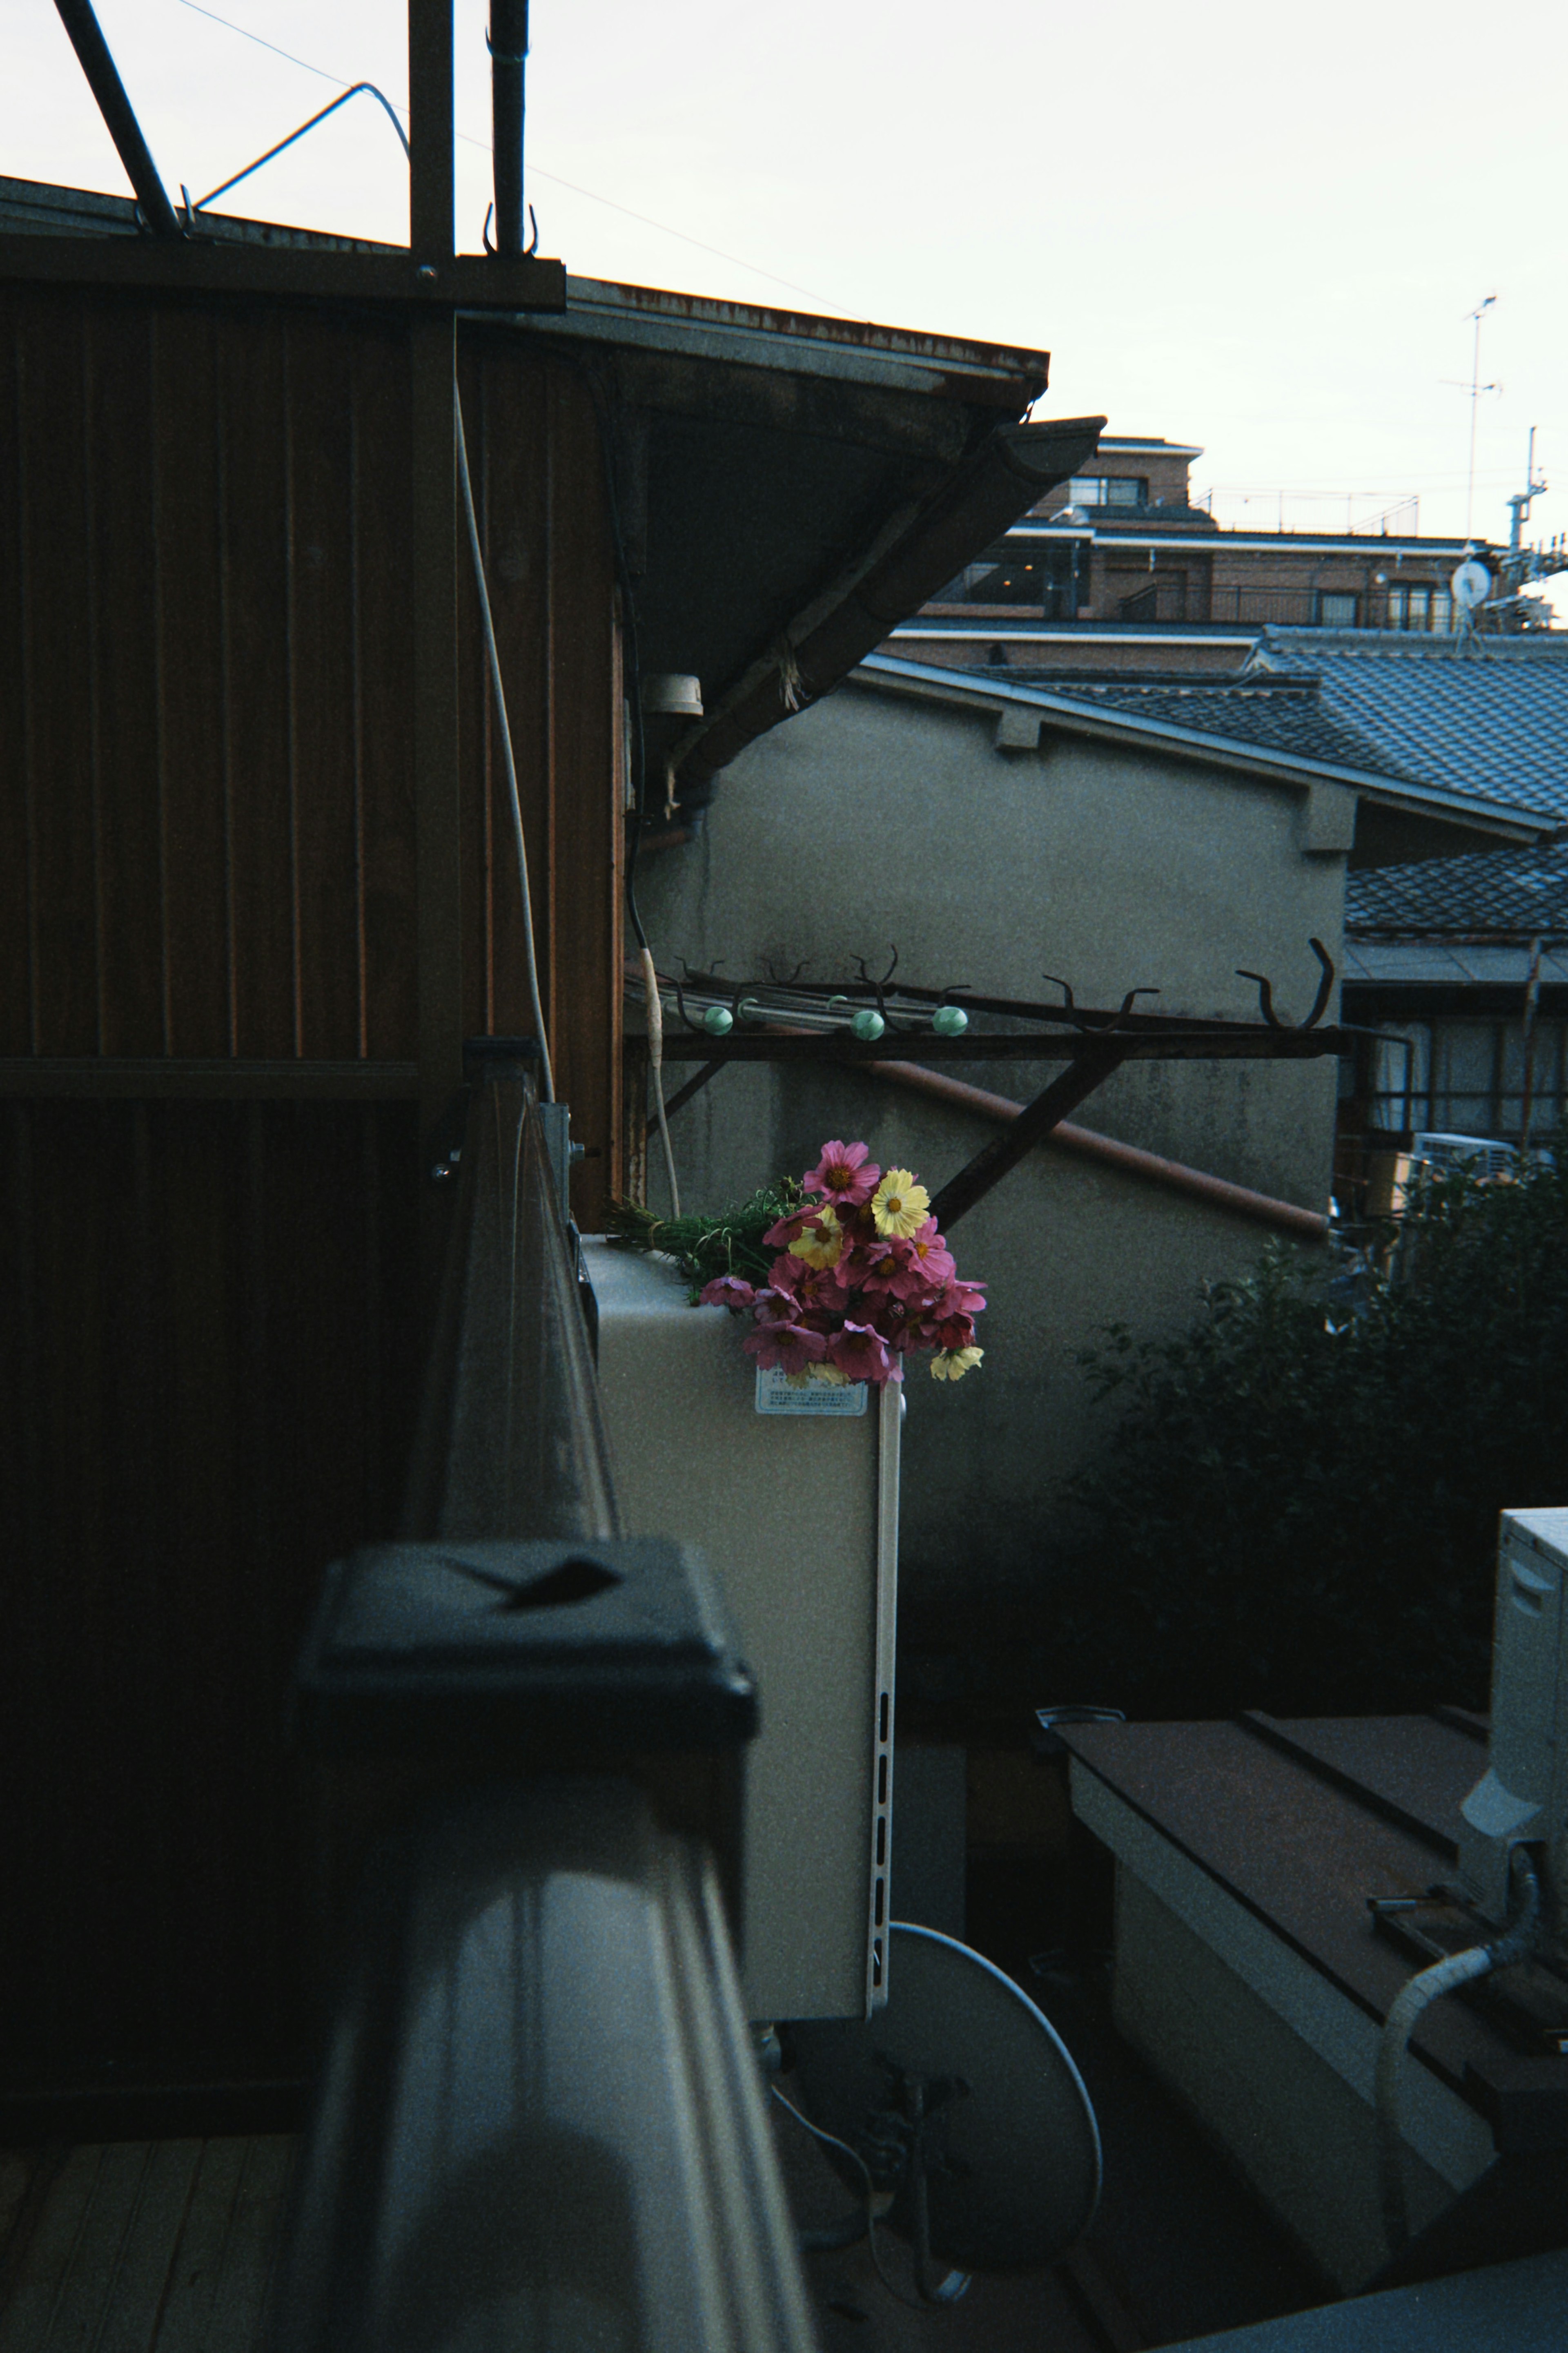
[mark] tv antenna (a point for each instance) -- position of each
(1520, 503)
(1477, 388)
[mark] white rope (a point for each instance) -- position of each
(504, 730)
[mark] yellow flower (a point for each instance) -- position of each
(831, 1373)
(821, 1243)
(899, 1206)
(952, 1363)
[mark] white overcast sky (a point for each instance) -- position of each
(1255, 227)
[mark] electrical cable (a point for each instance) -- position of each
(504, 730)
(646, 220)
(831, 2140)
(1426, 1987)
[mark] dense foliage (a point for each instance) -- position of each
(705, 1247)
(1299, 1508)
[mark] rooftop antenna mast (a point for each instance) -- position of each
(1477, 388)
(1520, 503)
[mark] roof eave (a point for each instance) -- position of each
(1506, 821)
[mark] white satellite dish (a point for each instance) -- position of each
(1471, 584)
(960, 2099)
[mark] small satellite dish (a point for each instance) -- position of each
(1471, 584)
(962, 2100)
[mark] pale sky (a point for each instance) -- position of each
(1255, 227)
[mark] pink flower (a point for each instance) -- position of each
(860, 1353)
(842, 1175)
(790, 1346)
(929, 1257)
(779, 1236)
(885, 1266)
(728, 1291)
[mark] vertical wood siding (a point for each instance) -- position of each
(208, 851)
(207, 798)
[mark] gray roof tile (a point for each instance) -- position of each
(1515, 892)
(1487, 716)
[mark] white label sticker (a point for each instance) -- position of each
(777, 1392)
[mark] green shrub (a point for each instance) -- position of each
(1298, 1509)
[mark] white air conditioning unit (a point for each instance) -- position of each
(793, 1495)
(1481, 1155)
(1522, 1797)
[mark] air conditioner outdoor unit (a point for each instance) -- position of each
(1522, 1797)
(793, 1495)
(1481, 1155)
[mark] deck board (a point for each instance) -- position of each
(149, 2247)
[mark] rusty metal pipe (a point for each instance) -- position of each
(1306, 1224)
(120, 118)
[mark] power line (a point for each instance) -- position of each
(554, 178)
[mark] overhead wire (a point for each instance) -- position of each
(572, 186)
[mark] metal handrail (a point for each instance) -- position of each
(512, 1434)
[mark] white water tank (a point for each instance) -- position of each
(797, 1511)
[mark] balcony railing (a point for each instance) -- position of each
(539, 2121)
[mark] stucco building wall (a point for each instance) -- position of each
(876, 818)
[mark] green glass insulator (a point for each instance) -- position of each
(718, 1021)
(868, 1025)
(950, 1020)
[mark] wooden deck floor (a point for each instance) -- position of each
(140, 2246)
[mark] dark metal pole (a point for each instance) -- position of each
(430, 131)
(508, 54)
(103, 80)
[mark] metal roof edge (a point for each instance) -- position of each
(745, 334)
(1513, 822)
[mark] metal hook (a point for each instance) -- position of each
(680, 1002)
(1126, 1005)
(1320, 1002)
(490, 216)
(1069, 1003)
(531, 247)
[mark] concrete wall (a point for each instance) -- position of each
(874, 819)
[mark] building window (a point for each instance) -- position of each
(1338, 608)
(1467, 1078)
(1106, 491)
(1419, 605)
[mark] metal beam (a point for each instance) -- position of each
(103, 80)
(225, 265)
(1238, 1042)
(992, 1161)
(430, 130)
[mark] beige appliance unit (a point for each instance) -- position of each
(793, 1495)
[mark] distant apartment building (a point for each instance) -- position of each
(1121, 570)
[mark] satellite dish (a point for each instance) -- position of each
(960, 2099)
(1471, 584)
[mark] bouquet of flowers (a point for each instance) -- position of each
(860, 1279)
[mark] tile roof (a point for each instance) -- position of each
(1287, 715)
(1488, 716)
(1513, 890)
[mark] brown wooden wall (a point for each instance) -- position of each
(208, 868)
